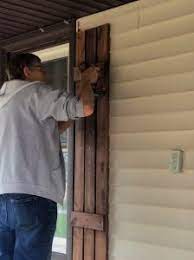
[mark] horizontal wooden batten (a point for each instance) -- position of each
(87, 221)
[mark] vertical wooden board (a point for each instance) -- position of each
(102, 156)
(90, 133)
(90, 153)
(79, 159)
(77, 244)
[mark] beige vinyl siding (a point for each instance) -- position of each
(152, 112)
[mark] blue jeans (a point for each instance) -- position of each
(27, 227)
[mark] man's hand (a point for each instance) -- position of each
(63, 126)
(91, 74)
(85, 91)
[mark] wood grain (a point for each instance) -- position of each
(87, 221)
(79, 159)
(102, 148)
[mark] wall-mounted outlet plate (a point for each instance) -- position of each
(176, 161)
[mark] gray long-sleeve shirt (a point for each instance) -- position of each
(30, 155)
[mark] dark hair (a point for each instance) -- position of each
(16, 64)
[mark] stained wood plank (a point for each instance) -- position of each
(88, 221)
(102, 156)
(91, 244)
(79, 160)
(90, 153)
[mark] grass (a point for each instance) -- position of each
(61, 230)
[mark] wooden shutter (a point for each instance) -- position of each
(90, 215)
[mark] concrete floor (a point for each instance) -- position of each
(59, 249)
(58, 256)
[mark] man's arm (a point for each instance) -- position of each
(64, 107)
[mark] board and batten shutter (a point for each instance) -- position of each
(90, 216)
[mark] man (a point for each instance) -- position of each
(32, 179)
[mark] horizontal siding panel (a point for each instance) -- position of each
(152, 178)
(146, 159)
(160, 49)
(174, 102)
(162, 141)
(154, 86)
(163, 236)
(152, 215)
(166, 11)
(125, 250)
(154, 32)
(115, 14)
(153, 196)
(154, 123)
(150, 69)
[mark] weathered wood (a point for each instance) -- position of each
(102, 148)
(92, 144)
(88, 221)
(79, 160)
(90, 154)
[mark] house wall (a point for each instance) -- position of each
(152, 112)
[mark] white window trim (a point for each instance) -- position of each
(53, 53)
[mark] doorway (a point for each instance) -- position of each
(56, 64)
